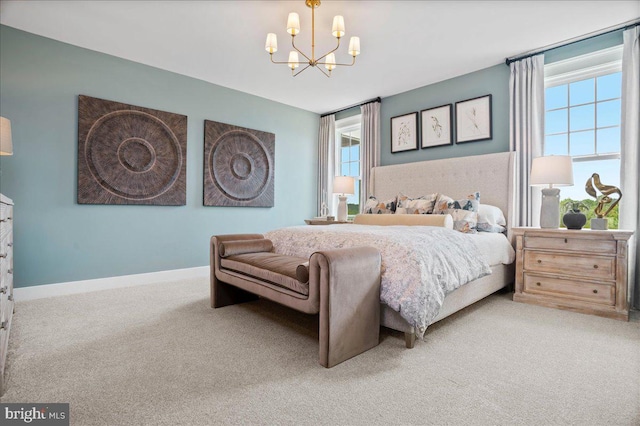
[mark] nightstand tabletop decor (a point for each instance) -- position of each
(578, 270)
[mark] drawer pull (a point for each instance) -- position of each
(3, 325)
(10, 271)
(595, 291)
(595, 266)
(3, 290)
(565, 241)
(3, 255)
(10, 244)
(10, 298)
(539, 261)
(538, 284)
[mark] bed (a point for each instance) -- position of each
(492, 175)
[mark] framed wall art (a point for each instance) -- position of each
(437, 126)
(404, 132)
(239, 166)
(473, 119)
(130, 155)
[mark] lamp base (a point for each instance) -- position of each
(550, 209)
(599, 223)
(342, 208)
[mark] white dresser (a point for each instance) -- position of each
(6, 280)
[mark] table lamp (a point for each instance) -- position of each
(343, 185)
(553, 170)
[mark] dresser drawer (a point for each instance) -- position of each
(6, 212)
(4, 304)
(596, 267)
(571, 244)
(5, 229)
(579, 290)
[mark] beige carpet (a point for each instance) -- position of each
(159, 355)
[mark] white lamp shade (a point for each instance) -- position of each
(330, 61)
(271, 45)
(553, 170)
(6, 145)
(293, 23)
(343, 185)
(338, 26)
(293, 60)
(354, 46)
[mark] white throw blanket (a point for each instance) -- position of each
(420, 264)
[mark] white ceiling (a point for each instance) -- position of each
(405, 44)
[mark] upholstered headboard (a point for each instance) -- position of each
(491, 174)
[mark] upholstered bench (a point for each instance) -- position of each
(342, 286)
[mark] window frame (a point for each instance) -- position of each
(592, 65)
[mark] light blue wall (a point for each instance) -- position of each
(583, 47)
(493, 80)
(57, 240)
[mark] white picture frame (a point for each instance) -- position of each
(437, 126)
(473, 120)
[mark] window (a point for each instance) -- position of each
(582, 119)
(348, 158)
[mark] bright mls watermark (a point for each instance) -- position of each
(35, 414)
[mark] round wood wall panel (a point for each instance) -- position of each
(133, 154)
(239, 165)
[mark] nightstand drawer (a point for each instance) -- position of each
(6, 212)
(580, 290)
(596, 267)
(570, 244)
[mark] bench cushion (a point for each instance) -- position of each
(230, 248)
(275, 268)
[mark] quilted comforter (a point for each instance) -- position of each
(420, 264)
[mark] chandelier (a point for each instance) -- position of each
(328, 59)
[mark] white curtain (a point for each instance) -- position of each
(629, 217)
(526, 118)
(369, 146)
(326, 161)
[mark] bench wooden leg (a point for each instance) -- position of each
(410, 339)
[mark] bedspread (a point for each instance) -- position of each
(420, 264)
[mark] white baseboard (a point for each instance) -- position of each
(75, 287)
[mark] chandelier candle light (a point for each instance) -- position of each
(293, 28)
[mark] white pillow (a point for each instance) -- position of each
(491, 219)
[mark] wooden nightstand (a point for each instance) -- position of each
(583, 271)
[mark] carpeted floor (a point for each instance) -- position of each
(159, 355)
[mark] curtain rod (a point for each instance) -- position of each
(623, 26)
(351, 106)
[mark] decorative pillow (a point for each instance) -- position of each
(464, 212)
(491, 219)
(420, 205)
(464, 220)
(374, 206)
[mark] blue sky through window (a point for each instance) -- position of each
(582, 119)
